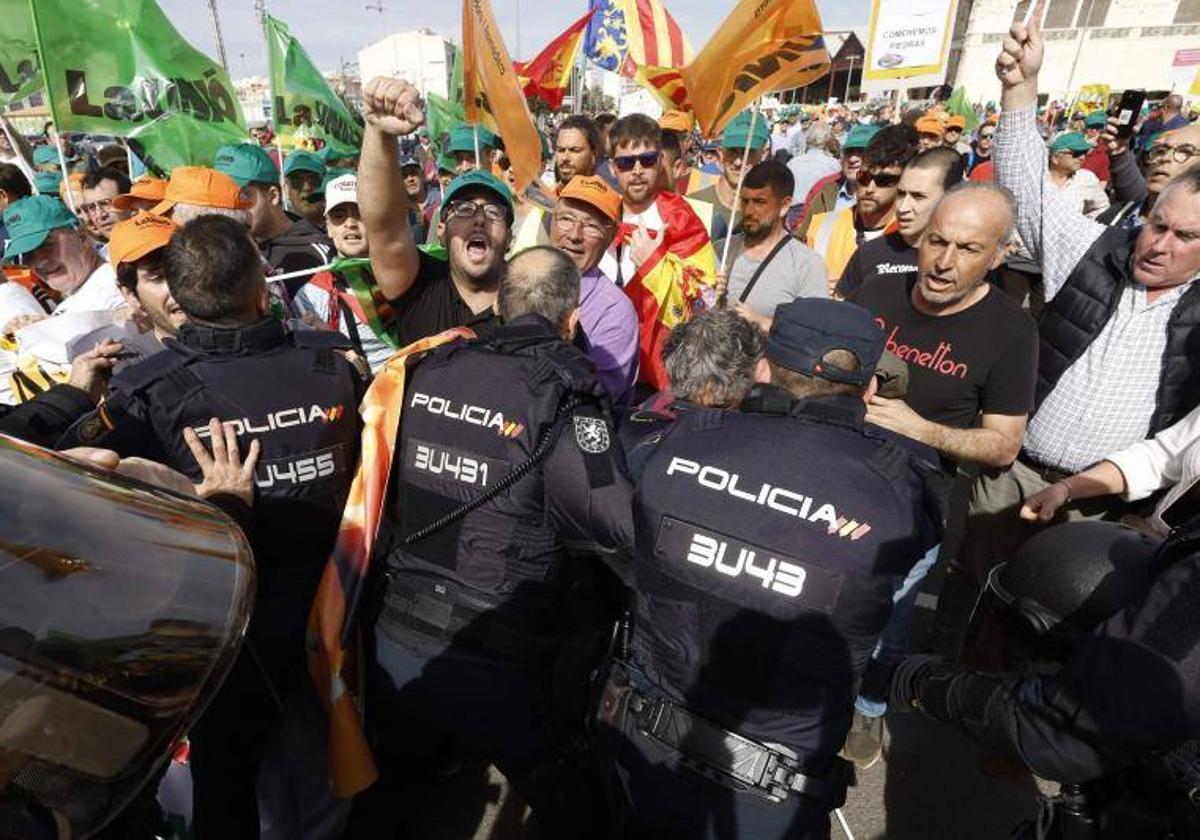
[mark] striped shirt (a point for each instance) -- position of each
(1104, 401)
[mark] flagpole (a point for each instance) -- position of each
(737, 193)
(62, 159)
(261, 7)
(478, 161)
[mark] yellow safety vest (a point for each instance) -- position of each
(832, 235)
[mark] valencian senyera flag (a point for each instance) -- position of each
(605, 42)
(305, 108)
(332, 634)
(491, 94)
(548, 74)
(665, 290)
(654, 39)
(762, 46)
(640, 39)
(119, 67)
(20, 74)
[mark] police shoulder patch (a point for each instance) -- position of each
(591, 433)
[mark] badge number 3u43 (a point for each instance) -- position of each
(591, 433)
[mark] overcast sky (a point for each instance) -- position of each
(335, 30)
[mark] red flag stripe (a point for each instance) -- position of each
(649, 33)
(676, 35)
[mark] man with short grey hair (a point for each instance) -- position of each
(710, 359)
(808, 168)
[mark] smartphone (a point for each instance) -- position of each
(1184, 508)
(1127, 112)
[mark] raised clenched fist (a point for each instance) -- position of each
(393, 106)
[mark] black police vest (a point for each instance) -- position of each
(474, 412)
(296, 395)
(1078, 313)
(768, 548)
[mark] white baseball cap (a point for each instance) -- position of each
(341, 190)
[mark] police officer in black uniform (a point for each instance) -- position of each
(1118, 722)
(768, 545)
(507, 479)
(298, 396)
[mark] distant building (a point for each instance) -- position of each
(846, 53)
(1124, 44)
(421, 57)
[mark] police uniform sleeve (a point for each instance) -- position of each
(121, 423)
(47, 416)
(589, 496)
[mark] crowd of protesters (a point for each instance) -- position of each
(1031, 271)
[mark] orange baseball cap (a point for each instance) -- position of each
(201, 186)
(74, 180)
(677, 121)
(930, 125)
(134, 238)
(594, 190)
(147, 189)
(957, 121)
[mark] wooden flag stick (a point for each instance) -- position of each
(737, 193)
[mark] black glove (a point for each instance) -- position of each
(908, 678)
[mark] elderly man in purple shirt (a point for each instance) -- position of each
(583, 226)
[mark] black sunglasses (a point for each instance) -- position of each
(625, 163)
(881, 179)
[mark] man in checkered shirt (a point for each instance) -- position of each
(1119, 343)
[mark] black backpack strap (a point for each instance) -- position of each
(762, 266)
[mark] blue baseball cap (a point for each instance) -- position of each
(806, 329)
(29, 221)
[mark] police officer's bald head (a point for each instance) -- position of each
(541, 281)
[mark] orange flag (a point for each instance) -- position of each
(762, 47)
(548, 74)
(492, 95)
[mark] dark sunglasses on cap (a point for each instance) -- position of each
(625, 163)
(881, 179)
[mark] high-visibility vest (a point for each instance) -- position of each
(530, 231)
(832, 235)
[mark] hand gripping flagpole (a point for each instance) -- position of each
(737, 193)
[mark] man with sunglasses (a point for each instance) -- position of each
(428, 295)
(837, 235)
(1079, 187)
(304, 173)
(981, 148)
(1134, 193)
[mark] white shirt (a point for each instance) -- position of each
(1083, 194)
(98, 293)
(1172, 457)
(621, 268)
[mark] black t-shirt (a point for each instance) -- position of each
(982, 360)
(888, 256)
(432, 304)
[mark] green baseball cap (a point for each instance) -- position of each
(859, 136)
(479, 179)
(735, 134)
(246, 163)
(48, 183)
(445, 163)
(462, 139)
(29, 221)
(1071, 142)
(303, 162)
(333, 150)
(1096, 119)
(45, 154)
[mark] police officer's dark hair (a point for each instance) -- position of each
(633, 130)
(892, 145)
(214, 270)
(710, 359)
(106, 173)
(13, 182)
(772, 174)
(548, 287)
(587, 126)
(801, 385)
(948, 161)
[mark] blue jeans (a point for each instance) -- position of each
(893, 641)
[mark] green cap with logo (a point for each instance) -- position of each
(303, 162)
(48, 183)
(479, 179)
(29, 221)
(45, 154)
(859, 136)
(246, 163)
(462, 138)
(1072, 141)
(735, 134)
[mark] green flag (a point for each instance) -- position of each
(19, 72)
(957, 104)
(119, 67)
(304, 106)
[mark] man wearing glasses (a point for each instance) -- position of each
(981, 149)
(837, 235)
(1168, 155)
(100, 187)
(1079, 187)
(428, 295)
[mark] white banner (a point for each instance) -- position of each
(908, 44)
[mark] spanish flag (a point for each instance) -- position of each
(548, 74)
(492, 95)
(665, 291)
(332, 623)
(762, 47)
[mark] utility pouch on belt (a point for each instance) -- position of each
(713, 752)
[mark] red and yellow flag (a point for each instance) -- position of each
(548, 74)
(665, 291)
(492, 95)
(332, 622)
(653, 38)
(762, 47)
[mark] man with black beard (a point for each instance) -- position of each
(576, 149)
